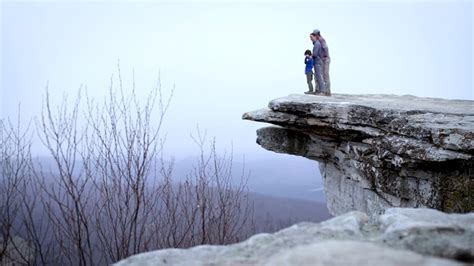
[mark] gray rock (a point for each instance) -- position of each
(355, 253)
(376, 152)
(429, 232)
(429, 237)
(379, 151)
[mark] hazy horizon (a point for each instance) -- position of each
(103, 191)
(225, 59)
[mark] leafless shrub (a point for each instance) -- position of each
(109, 193)
(23, 227)
(14, 166)
(122, 148)
(224, 208)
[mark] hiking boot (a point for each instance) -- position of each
(308, 92)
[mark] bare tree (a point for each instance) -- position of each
(225, 213)
(211, 206)
(23, 227)
(177, 212)
(69, 193)
(109, 193)
(14, 165)
(121, 153)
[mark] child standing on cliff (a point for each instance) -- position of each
(309, 62)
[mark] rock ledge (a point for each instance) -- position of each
(399, 237)
(379, 151)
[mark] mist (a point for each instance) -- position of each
(226, 59)
(213, 61)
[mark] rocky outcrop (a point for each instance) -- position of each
(399, 237)
(375, 152)
(379, 151)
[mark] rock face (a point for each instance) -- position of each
(375, 152)
(379, 151)
(399, 237)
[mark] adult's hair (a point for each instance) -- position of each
(307, 52)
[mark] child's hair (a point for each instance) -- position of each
(307, 52)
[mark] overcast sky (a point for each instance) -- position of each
(226, 59)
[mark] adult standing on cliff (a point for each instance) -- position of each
(326, 60)
(320, 87)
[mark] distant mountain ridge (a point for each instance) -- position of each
(285, 177)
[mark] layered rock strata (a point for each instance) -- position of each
(379, 151)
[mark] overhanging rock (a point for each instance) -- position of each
(379, 151)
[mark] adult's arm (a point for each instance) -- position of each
(316, 48)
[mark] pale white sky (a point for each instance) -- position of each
(229, 58)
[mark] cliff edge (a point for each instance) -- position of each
(379, 151)
(387, 162)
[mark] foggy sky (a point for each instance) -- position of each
(226, 59)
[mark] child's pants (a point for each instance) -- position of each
(309, 80)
